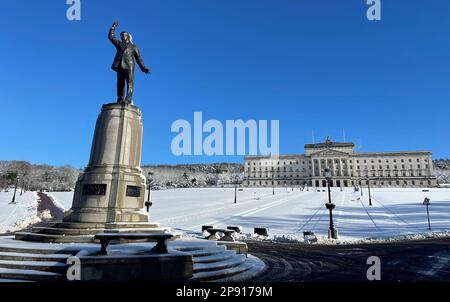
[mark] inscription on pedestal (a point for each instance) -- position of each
(133, 191)
(94, 189)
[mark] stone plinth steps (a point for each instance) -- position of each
(29, 261)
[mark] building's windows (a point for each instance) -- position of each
(365, 161)
(418, 166)
(387, 167)
(373, 167)
(418, 160)
(402, 160)
(380, 167)
(410, 160)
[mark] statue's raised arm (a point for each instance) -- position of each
(126, 55)
(112, 34)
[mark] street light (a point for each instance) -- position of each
(368, 187)
(15, 189)
(426, 202)
(23, 183)
(148, 203)
(360, 187)
(235, 188)
(332, 232)
(273, 185)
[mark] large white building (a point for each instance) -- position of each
(348, 168)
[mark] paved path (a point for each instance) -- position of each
(46, 203)
(424, 260)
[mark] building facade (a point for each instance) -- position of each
(348, 168)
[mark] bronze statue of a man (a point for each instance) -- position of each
(123, 63)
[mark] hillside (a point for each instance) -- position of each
(63, 178)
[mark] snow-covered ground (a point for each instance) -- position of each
(395, 211)
(17, 216)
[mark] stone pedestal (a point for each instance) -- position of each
(112, 187)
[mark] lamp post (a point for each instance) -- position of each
(148, 203)
(332, 232)
(368, 187)
(235, 188)
(23, 183)
(15, 189)
(426, 202)
(273, 185)
(360, 187)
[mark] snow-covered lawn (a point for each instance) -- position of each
(395, 211)
(17, 216)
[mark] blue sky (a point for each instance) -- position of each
(312, 64)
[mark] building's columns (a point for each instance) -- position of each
(348, 168)
(320, 167)
(313, 167)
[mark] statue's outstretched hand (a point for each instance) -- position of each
(146, 70)
(115, 24)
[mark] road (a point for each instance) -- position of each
(412, 261)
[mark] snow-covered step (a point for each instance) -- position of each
(17, 248)
(48, 266)
(77, 232)
(255, 268)
(33, 257)
(31, 275)
(13, 280)
(228, 263)
(35, 237)
(215, 258)
(220, 274)
(206, 252)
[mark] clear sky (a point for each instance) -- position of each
(312, 64)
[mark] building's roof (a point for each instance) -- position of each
(284, 156)
(329, 144)
(391, 153)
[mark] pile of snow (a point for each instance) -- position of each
(14, 217)
(62, 200)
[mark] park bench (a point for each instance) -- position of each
(160, 247)
(227, 234)
(262, 231)
(309, 237)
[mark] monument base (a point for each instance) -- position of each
(67, 232)
(112, 187)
